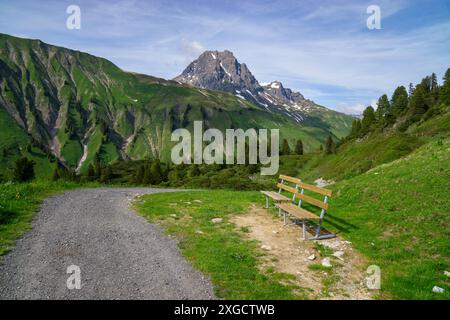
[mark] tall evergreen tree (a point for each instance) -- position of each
(147, 178)
(399, 102)
(285, 149)
(56, 175)
(24, 170)
(444, 90)
(356, 128)
(195, 171)
(156, 172)
(329, 146)
(299, 147)
(418, 104)
(410, 89)
(90, 172)
(383, 109)
(140, 173)
(367, 121)
(106, 175)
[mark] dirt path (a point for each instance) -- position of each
(286, 252)
(119, 254)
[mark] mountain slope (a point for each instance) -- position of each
(222, 71)
(77, 107)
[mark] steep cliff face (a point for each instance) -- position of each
(75, 107)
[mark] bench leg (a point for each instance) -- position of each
(284, 217)
(304, 229)
(279, 212)
(267, 202)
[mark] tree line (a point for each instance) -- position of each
(405, 107)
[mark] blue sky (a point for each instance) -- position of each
(320, 48)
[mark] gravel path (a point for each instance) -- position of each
(120, 255)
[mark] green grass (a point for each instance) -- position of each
(398, 215)
(18, 205)
(218, 250)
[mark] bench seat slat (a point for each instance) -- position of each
(290, 179)
(275, 196)
(297, 211)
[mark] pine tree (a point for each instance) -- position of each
(106, 175)
(383, 109)
(56, 176)
(418, 104)
(399, 102)
(147, 177)
(90, 173)
(299, 147)
(329, 146)
(444, 90)
(410, 89)
(24, 170)
(368, 120)
(285, 149)
(434, 89)
(139, 178)
(356, 128)
(195, 171)
(156, 172)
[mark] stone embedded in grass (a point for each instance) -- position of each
(312, 257)
(339, 255)
(437, 289)
(216, 220)
(198, 201)
(447, 273)
(326, 263)
(264, 247)
(198, 231)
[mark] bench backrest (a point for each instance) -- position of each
(299, 189)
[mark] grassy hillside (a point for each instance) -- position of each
(398, 215)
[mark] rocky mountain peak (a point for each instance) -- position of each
(220, 70)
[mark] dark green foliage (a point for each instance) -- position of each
(139, 178)
(299, 147)
(444, 92)
(368, 120)
(285, 149)
(384, 108)
(156, 173)
(56, 176)
(106, 175)
(195, 171)
(90, 172)
(24, 170)
(329, 146)
(356, 128)
(418, 104)
(399, 101)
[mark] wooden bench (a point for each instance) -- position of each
(302, 214)
(277, 196)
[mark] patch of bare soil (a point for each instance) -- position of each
(286, 252)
